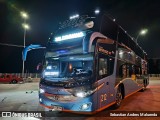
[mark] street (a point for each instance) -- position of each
(24, 97)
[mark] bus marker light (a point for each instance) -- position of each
(41, 90)
(85, 106)
(40, 99)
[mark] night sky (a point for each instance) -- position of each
(44, 16)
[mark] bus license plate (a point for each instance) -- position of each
(56, 108)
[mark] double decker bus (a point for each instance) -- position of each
(90, 64)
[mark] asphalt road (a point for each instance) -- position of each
(24, 97)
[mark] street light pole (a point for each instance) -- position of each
(137, 37)
(24, 44)
(25, 26)
(142, 32)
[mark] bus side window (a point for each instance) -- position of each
(138, 71)
(102, 67)
(128, 68)
(124, 71)
(131, 68)
(106, 65)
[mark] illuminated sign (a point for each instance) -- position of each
(69, 36)
(106, 51)
(51, 73)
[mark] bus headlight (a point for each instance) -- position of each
(84, 94)
(85, 106)
(41, 90)
(40, 99)
(81, 94)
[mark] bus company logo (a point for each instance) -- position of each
(56, 90)
(106, 51)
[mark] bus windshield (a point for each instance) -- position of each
(69, 66)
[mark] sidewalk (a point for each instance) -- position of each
(154, 78)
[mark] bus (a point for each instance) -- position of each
(91, 63)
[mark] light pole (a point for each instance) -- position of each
(26, 27)
(142, 32)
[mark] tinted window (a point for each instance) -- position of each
(106, 65)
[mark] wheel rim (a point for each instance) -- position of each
(14, 81)
(118, 97)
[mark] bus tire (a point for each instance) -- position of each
(119, 98)
(144, 85)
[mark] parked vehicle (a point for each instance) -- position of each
(10, 79)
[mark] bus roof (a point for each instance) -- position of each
(105, 25)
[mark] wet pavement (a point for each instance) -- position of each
(24, 97)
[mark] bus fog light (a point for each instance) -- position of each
(85, 106)
(80, 94)
(41, 90)
(40, 99)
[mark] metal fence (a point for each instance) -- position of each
(154, 75)
(26, 75)
(38, 75)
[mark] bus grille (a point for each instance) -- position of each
(61, 98)
(52, 84)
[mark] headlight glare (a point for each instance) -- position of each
(41, 90)
(84, 94)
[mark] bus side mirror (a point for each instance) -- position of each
(28, 48)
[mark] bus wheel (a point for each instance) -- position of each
(118, 98)
(144, 85)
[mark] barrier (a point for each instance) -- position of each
(35, 77)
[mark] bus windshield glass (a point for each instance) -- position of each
(69, 66)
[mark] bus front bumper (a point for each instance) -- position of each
(81, 105)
